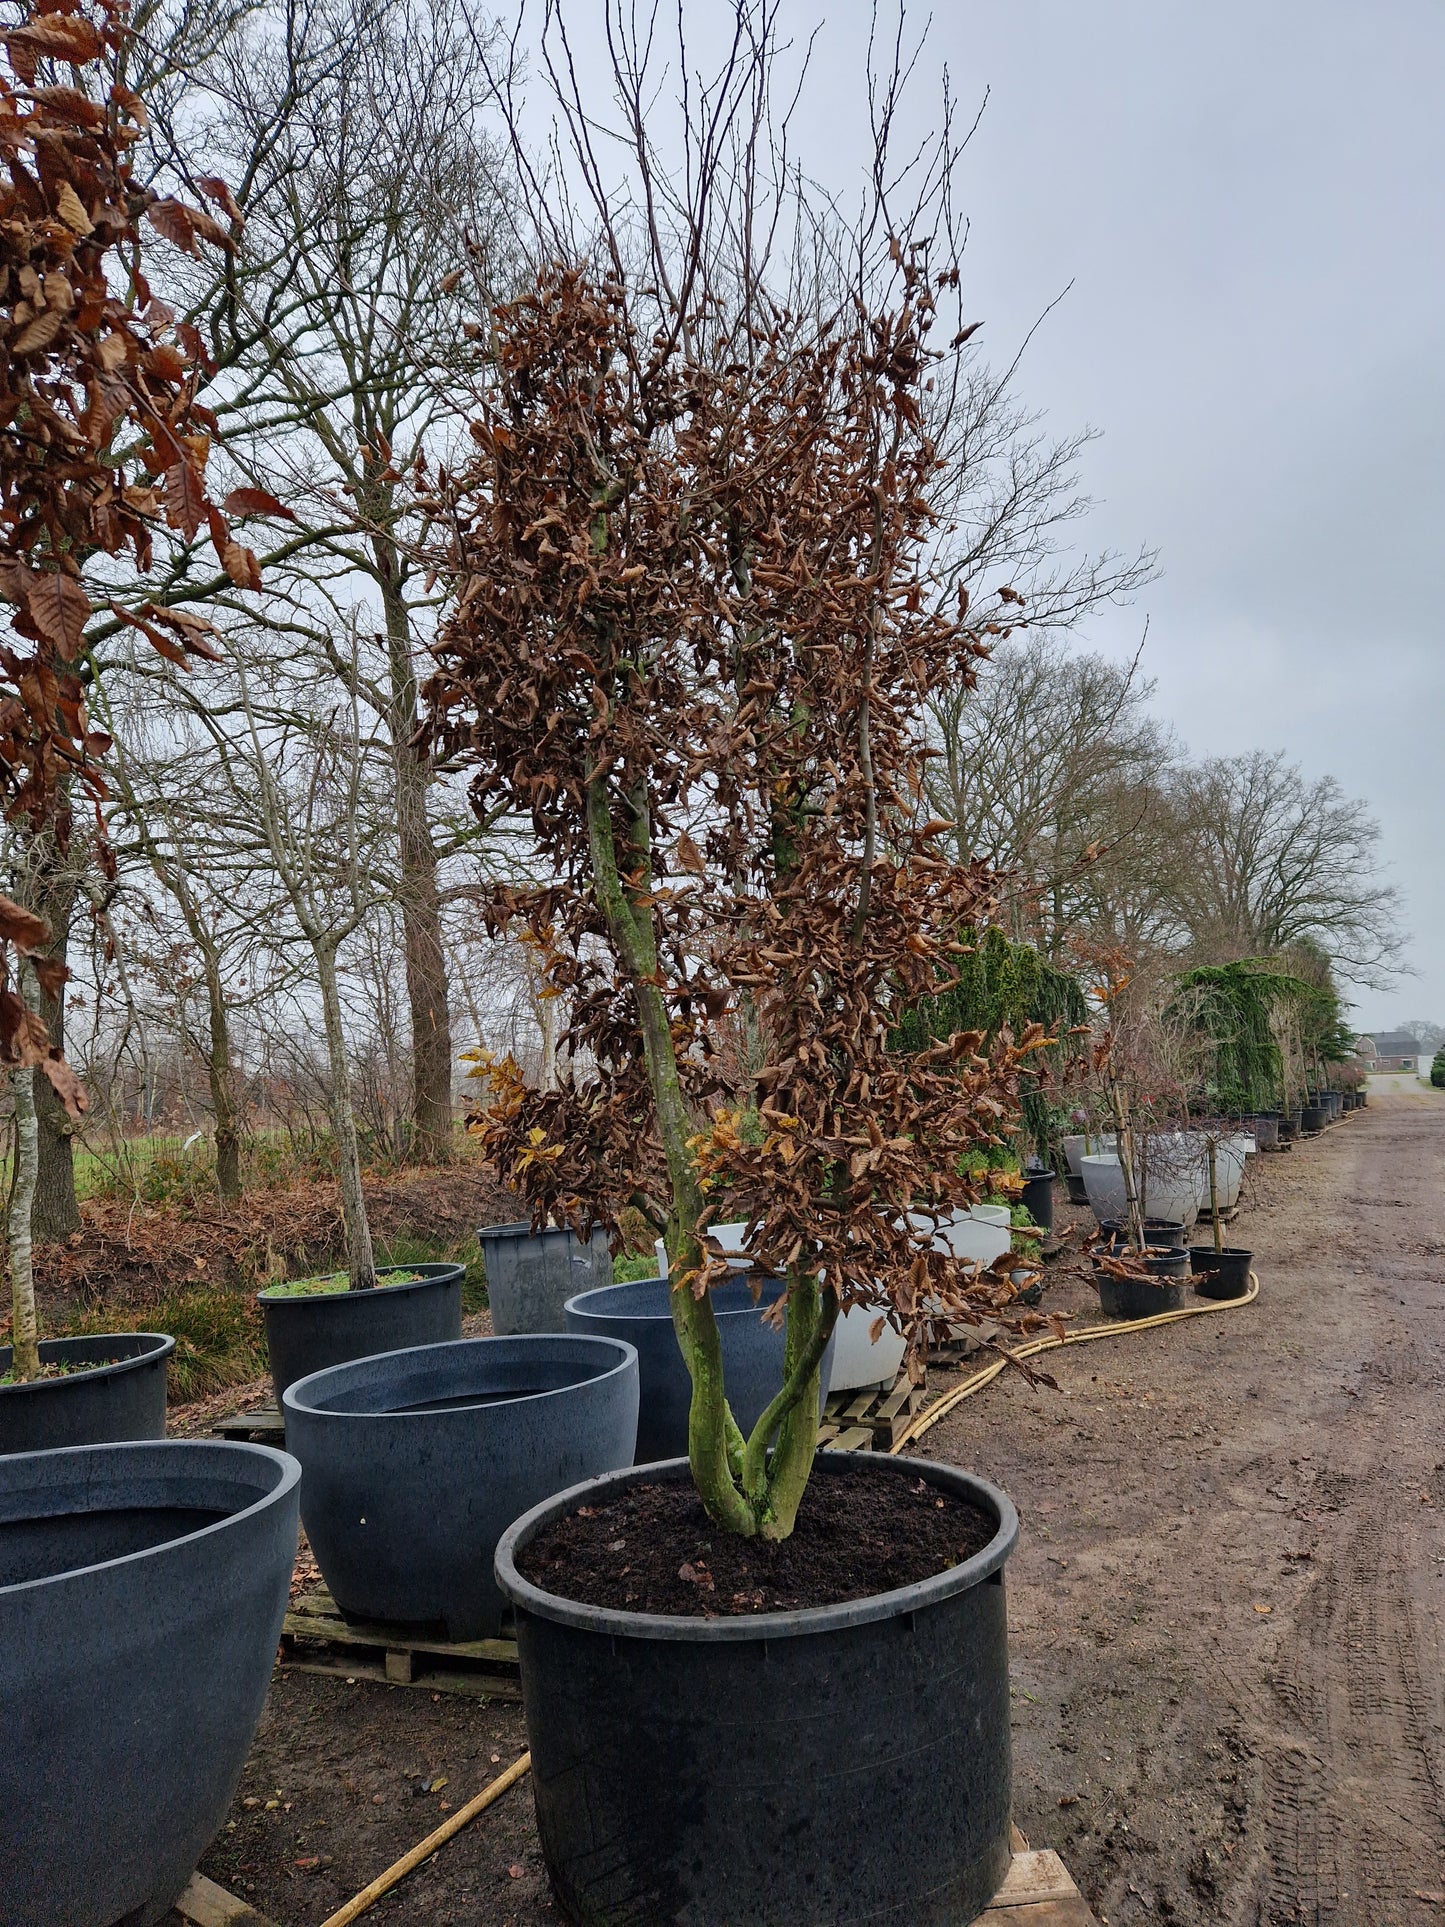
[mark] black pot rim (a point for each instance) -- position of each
(805, 1621)
(579, 1309)
(524, 1340)
(161, 1346)
(290, 1474)
(1227, 1251)
(523, 1228)
(435, 1271)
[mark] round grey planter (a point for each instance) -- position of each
(121, 1394)
(531, 1274)
(842, 1763)
(641, 1313)
(142, 1589)
(415, 1462)
(306, 1334)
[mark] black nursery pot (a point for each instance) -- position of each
(416, 1461)
(1078, 1193)
(142, 1588)
(1159, 1233)
(1220, 1274)
(1163, 1290)
(306, 1334)
(121, 1393)
(640, 1313)
(1313, 1118)
(843, 1763)
(1038, 1198)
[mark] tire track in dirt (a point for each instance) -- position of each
(1352, 1826)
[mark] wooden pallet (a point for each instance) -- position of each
(1037, 1892)
(316, 1639)
(870, 1420)
(263, 1424)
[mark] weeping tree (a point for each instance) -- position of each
(695, 625)
(1241, 1013)
(1001, 986)
(101, 442)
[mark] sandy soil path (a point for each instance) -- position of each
(1227, 1603)
(1226, 1607)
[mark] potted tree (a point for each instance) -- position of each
(695, 620)
(103, 440)
(130, 1571)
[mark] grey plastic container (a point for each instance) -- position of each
(640, 1312)
(142, 1588)
(416, 1461)
(846, 1763)
(119, 1393)
(531, 1274)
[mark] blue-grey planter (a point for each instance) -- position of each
(142, 1589)
(304, 1335)
(123, 1396)
(641, 1313)
(846, 1763)
(415, 1463)
(531, 1274)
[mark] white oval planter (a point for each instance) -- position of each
(1173, 1194)
(857, 1360)
(1077, 1146)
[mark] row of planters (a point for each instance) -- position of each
(427, 1472)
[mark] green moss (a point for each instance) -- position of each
(334, 1281)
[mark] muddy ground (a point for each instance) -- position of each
(1226, 1606)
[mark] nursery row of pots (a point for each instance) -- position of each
(129, 1571)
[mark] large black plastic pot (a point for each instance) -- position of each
(1220, 1274)
(1144, 1297)
(531, 1274)
(1265, 1130)
(1038, 1198)
(1159, 1233)
(415, 1461)
(142, 1589)
(845, 1763)
(121, 1393)
(1078, 1194)
(640, 1313)
(306, 1334)
(1313, 1118)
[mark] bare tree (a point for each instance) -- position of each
(1266, 860)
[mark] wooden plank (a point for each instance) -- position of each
(1035, 1875)
(857, 1438)
(265, 1422)
(400, 1667)
(207, 1905)
(473, 1686)
(860, 1407)
(308, 1619)
(894, 1403)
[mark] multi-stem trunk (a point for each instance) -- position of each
(360, 1259)
(25, 1352)
(745, 1488)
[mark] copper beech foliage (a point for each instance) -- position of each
(101, 434)
(693, 632)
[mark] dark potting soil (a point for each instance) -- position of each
(654, 1549)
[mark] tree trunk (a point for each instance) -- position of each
(360, 1259)
(222, 1076)
(422, 948)
(53, 894)
(25, 1355)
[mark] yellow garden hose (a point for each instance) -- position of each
(1116, 1328)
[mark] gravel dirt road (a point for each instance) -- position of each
(1226, 1606)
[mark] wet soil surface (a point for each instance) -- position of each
(1227, 1608)
(654, 1550)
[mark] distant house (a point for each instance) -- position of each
(1393, 1050)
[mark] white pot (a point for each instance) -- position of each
(1172, 1194)
(857, 1360)
(1099, 1143)
(979, 1235)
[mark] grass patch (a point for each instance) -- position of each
(410, 1249)
(219, 1341)
(334, 1281)
(632, 1265)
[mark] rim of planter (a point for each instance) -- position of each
(289, 1475)
(314, 1388)
(523, 1229)
(150, 1347)
(580, 1307)
(434, 1271)
(806, 1620)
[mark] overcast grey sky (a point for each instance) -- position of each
(1247, 198)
